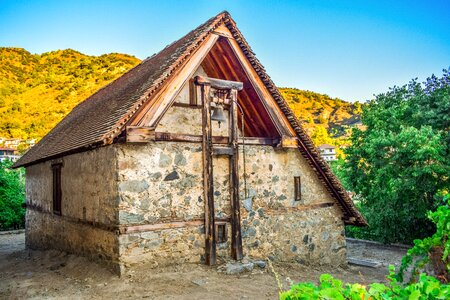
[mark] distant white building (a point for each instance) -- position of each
(328, 152)
(12, 143)
(30, 143)
(8, 154)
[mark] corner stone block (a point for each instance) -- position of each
(134, 186)
(130, 218)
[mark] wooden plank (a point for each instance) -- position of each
(236, 238)
(223, 151)
(192, 93)
(167, 224)
(159, 226)
(208, 187)
(252, 112)
(219, 83)
(259, 141)
(299, 208)
(178, 104)
(178, 137)
(254, 123)
(288, 142)
(155, 109)
(297, 188)
(139, 134)
(364, 262)
(210, 65)
(261, 89)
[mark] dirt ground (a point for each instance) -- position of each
(55, 275)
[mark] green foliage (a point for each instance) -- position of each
(12, 197)
(37, 91)
(338, 168)
(400, 164)
(320, 136)
(420, 286)
(420, 253)
(427, 287)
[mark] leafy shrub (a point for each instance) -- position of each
(400, 163)
(426, 287)
(422, 251)
(12, 197)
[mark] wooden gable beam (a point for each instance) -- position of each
(271, 106)
(219, 83)
(155, 110)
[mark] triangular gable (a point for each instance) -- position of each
(103, 117)
(217, 57)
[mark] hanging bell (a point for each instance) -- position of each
(218, 115)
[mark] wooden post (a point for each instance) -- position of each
(233, 151)
(208, 188)
(236, 238)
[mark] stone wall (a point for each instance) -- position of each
(88, 205)
(161, 183)
(156, 191)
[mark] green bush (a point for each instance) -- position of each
(421, 253)
(420, 286)
(400, 164)
(427, 287)
(12, 197)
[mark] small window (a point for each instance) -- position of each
(297, 188)
(57, 195)
(221, 233)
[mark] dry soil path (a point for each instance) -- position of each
(56, 275)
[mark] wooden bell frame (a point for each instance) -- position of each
(222, 92)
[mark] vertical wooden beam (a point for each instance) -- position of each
(236, 238)
(208, 188)
(192, 93)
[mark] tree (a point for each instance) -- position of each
(12, 197)
(400, 164)
(320, 136)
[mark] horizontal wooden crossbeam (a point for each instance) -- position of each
(219, 83)
(138, 134)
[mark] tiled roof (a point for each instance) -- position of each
(102, 117)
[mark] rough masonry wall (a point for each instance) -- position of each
(89, 197)
(161, 183)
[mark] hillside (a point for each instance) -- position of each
(320, 110)
(38, 90)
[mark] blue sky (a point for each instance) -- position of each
(346, 49)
